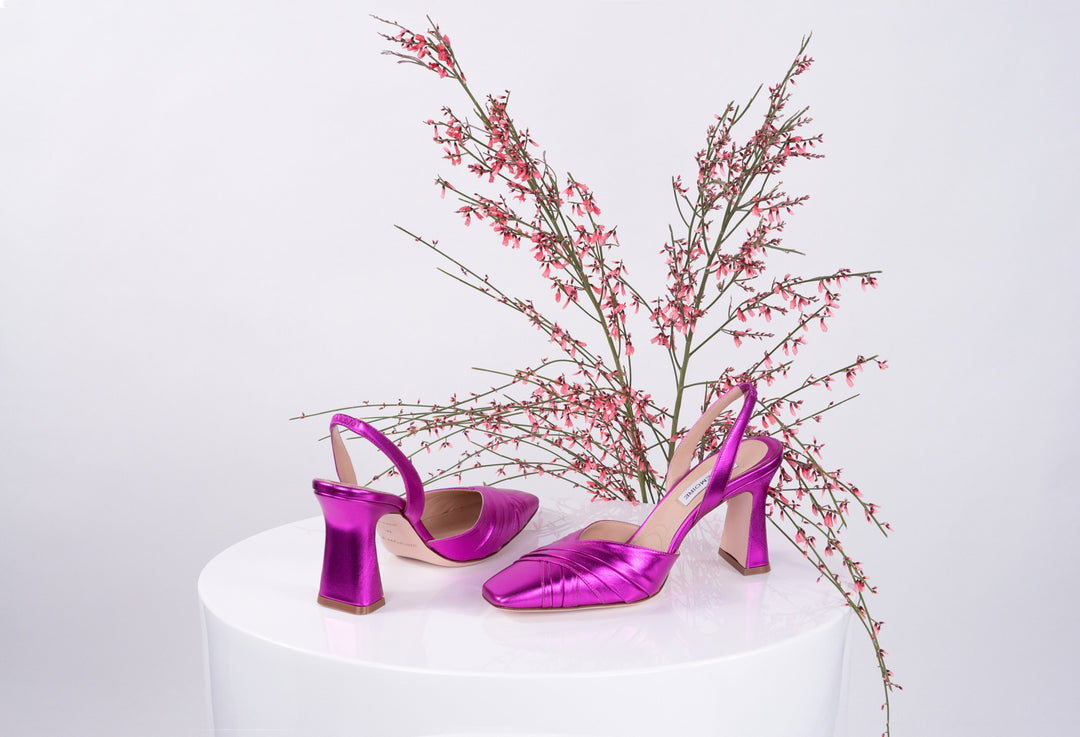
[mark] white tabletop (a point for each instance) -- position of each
(436, 621)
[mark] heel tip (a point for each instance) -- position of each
(351, 608)
(740, 567)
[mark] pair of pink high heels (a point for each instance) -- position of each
(607, 563)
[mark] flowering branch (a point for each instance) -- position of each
(580, 416)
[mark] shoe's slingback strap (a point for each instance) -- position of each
(414, 488)
(684, 454)
(729, 449)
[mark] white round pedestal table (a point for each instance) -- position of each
(714, 653)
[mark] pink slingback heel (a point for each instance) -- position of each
(447, 527)
(611, 563)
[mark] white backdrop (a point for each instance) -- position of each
(196, 243)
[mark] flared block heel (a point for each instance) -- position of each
(743, 543)
(350, 574)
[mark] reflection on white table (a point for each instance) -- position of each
(715, 653)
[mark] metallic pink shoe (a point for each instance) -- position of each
(611, 563)
(447, 527)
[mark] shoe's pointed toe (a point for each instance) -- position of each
(518, 586)
(503, 515)
(523, 504)
(572, 573)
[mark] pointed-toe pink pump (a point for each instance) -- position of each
(447, 527)
(612, 563)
